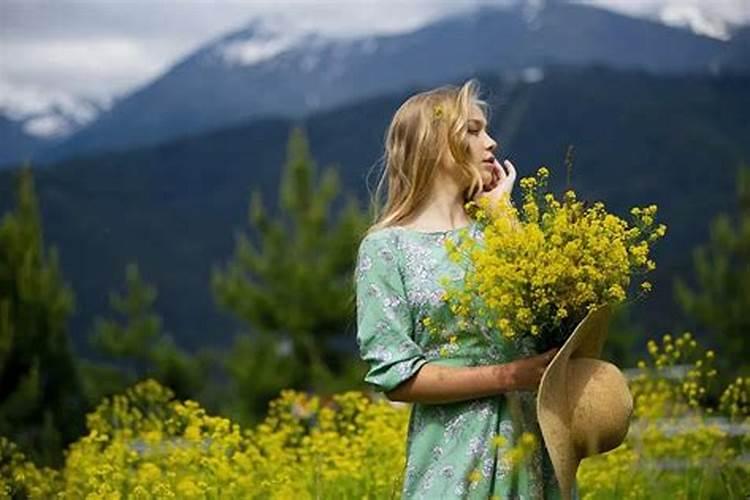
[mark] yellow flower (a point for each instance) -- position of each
(548, 262)
(499, 440)
(528, 440)
(475, 476)
(527, 182)
(193, 433)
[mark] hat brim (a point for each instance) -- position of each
(553, 410)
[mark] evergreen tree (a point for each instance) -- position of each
(42, 406)
(721, 302)
(625, 339)
(137, 347)
(296, 290)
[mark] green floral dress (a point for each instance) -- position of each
(449, 448)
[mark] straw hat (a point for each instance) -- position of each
(583, 403)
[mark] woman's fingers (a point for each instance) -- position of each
(549, 355)
(499, 169)
(511, 168)
(503, 173)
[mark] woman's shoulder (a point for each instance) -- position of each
(378, 254)
(397, 238)
(382, 235)
(383, 241)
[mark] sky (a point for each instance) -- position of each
(57, 52)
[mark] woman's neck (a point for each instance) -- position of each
(443, 210)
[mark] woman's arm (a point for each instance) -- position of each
(434, 383)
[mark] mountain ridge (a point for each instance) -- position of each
(638, 139)
(201, 91)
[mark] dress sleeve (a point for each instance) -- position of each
(384, 321)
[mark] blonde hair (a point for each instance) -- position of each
(427, 129)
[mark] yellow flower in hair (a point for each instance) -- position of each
(437, 111)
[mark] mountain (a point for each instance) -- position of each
(17, 144)
(31, 122)
(266, 70)
(738, 50)
(638, 138)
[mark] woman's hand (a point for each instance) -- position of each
(526, 373)
(503, 178)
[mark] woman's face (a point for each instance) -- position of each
(481, 145)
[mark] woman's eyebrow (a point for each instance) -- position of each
(478, 122)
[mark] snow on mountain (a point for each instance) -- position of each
(263, 39)
(268, 38)
(48, 115)
(702, 18)
(694, 18)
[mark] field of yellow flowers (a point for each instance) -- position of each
(146, 444)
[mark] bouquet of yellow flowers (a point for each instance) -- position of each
(539, 270)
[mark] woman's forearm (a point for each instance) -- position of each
(434, 383)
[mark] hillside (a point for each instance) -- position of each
(174, 207)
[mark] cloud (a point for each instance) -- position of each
(105, 49)
(97, 66)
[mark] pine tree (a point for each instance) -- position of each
(296, 288)
(42, 406)
(721, 301)
(625, 338)
(137, 347)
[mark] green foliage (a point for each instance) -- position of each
(138, 347)
(258, 366)
(295, 285)
(624, 338)
(721, 302)
(41, 402)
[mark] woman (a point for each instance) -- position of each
(438, 157)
